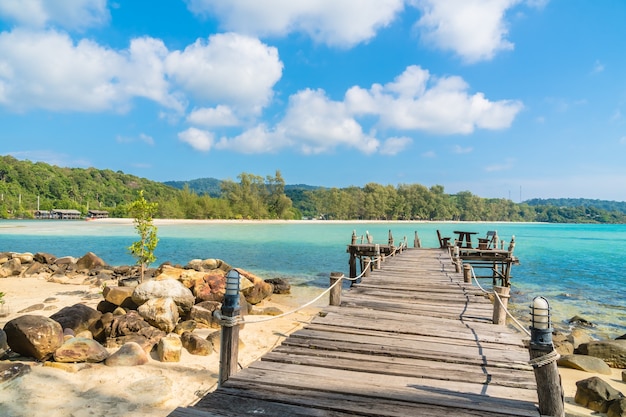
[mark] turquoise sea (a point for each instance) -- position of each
(580, 269)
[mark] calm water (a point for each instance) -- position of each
(579, 268)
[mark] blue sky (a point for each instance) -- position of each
(504, 98)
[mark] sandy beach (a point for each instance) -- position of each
(154, 389)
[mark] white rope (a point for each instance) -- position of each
(298, 308)
(544, 360)
(508, 313)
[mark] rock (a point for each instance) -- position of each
(36, 268)
(25, 258)
(10, 371)
(212, 287)
(267, 311)
(203, 313)
(259, 290)
(580, 321)
(161, 313)
(131, 354)
(169, 349)
(78, 317)
(281, 286)
(34, 336)
(171, 288)
(585, 363)
(97, 329)
(4, 345)
(196, 345)
(44, 258)
(34, 307)
(90, 261)
(13, 267)
(613, 352)
(185, 326)
(120, 296)
(65, 260)
(617, 408)
(79, 349)
(578, 337)
(595, 394)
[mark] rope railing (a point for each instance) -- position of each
(508, 313)
(295, 310)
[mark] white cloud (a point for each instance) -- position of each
(200, 140)
(414, 101)
(417, 101)
(70, 14)
(395, 145)
(317, 124)
(333, 22)
(505, 166)
(228, 69)
(254, 141)
(215, 116)
(48, 70)
(474, 29)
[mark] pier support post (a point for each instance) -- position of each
(417, 243)
(456, 259)
(500, 307)
(543, 358)
(378, 260)
(229, 340)
(335, 292)
(467, 273)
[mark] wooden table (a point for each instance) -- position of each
(464, 238)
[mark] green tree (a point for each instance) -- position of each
(143, 249)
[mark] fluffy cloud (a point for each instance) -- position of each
(198, 139)
(417, 101)
(413, 102)
(333, 22)
(212, 117)
(48, 70)
(70, 14)
(229, 69)
(474, 29)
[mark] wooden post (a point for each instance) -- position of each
(352, 262)
(416, 241)
(229, 340)
(456, 259)
(353, 240)
(368, 267)
(499, 309)
(335, 293)
(378, 260)
(390, 239)
(467, 273)
(549, 389)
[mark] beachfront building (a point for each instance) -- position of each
(97, 214)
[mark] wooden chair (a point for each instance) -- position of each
(444, 242)
(489, 242)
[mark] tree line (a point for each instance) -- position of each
(26, 186)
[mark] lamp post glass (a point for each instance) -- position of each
(541, 326)
(231, 297)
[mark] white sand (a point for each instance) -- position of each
(154, 389)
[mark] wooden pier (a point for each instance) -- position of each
(412, 339)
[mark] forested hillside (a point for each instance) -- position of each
(26, 186)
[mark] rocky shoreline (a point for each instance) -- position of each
(133, 316)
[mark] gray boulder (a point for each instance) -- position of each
(585, 363)
(596, 394)
(613, 352)
(196, 345)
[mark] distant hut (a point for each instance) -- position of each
(67, 214)
(97, 214)
(43, 214)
